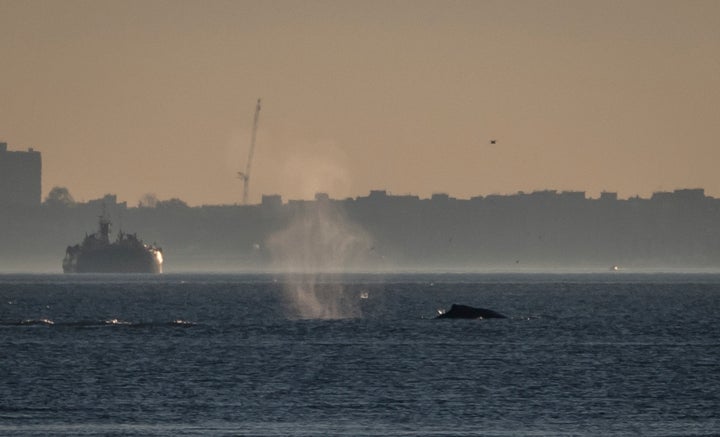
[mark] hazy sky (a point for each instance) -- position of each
(135, 97)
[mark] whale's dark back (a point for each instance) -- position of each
(467, 312)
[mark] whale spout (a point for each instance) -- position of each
(467, 312)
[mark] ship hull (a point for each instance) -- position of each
(114, 259)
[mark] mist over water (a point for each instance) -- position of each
(317, 246)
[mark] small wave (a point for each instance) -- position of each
(35, 322)
(180, 322)
(113, 322)
(27, 322)
(116, 322)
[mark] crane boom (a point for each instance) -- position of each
(245, 176)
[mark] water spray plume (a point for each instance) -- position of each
(319, 244)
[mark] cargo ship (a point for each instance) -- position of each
(127, 254)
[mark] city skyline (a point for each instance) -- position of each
(133, 97)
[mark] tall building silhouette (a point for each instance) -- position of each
(20, 177)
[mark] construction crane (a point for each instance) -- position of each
(245, 176)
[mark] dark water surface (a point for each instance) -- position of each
(615, 354)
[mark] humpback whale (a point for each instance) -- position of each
(467, 312)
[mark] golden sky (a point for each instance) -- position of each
(135, 97)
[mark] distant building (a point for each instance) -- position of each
(662, 196)
(322, 197)
(377, 195)
(608, 196)
(573, 195)
(687, 195)
(20, 177)
(544, 195)
(691, 194)
(108, 201)
(271, 201)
